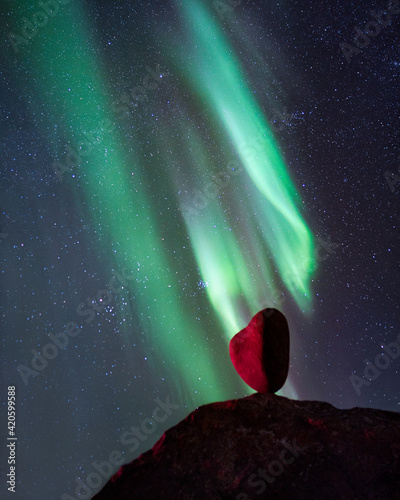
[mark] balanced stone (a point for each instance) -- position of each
(260, 352)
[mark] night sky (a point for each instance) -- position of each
(168, 170)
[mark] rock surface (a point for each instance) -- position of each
(260, 352)
(268, 446)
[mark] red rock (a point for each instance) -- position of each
(260, 352)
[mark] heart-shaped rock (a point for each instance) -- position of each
(260, 352)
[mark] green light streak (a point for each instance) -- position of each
(232, 256)
(72, 87)
(216, 77)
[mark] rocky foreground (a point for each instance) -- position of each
(268, 446)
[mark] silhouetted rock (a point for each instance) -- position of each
(267, 446)
(260, 352)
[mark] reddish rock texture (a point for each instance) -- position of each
(260, 352)
(266, 446)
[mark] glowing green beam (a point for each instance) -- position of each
(118, 202)
(214, 74)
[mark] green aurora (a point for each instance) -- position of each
(256, 211)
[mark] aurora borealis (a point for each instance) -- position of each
(170, 169)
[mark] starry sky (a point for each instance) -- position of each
(169, 169)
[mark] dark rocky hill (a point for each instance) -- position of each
(268, 446)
